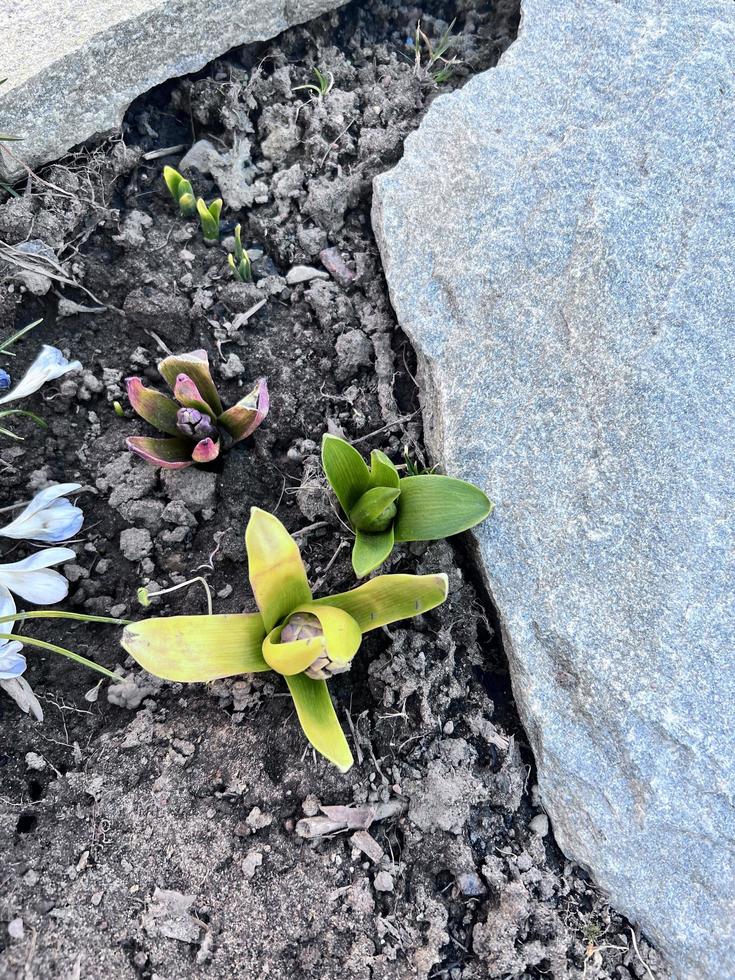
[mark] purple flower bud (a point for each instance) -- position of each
(195, 424)
(306, 626)
(4, 380)
(301, 626)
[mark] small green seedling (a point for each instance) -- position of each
(437, 68)
(306, 640)
(240, 261)
(384, 508)
(323, 86)
(209, 218)
(181, 191)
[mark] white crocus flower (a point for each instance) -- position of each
(33, 579)
(49, 365)
(12, 661)
(49, 517)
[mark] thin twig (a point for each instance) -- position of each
(390, 425)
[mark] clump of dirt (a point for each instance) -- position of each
(157, 830)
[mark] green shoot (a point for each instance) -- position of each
(436, 68)
(209, 215)
(240, 261)
(18, 411)
(9, 341)
(323, 86)
(181, 191)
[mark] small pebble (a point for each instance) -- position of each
(35, 761)
(383, 882)
(470, 884)
(304, 273)
(15, 929)
(539, 825)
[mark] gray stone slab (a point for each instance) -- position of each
(74, 66)
(559, 245)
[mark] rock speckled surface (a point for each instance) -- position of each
(74, 67)
(569, 289)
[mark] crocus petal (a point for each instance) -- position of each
(244, 418)
(187, 394)
(47, 518)
(205, 451)
(151, 405)
(7, 608)
(170, 454)
(12, 661)
(32, 578)
(20, 691)
(195, 364)
(49, 365)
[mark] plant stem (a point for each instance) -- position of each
(48, 614)
(181, 585)
(27, 641)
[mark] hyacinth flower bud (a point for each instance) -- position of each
(195, 424)
(306, 626)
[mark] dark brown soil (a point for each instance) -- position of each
(156, 835)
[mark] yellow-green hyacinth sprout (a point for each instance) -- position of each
(306, 640)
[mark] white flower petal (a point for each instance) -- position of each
(32, 579)
(20, 691)
(47, 518)
(12, 661)
(48, 365)
(7, 608)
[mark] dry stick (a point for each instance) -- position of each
(333, 145)
(9, 253)
(390, 425)
(637, 953)
(163, 152)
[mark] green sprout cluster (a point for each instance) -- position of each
(183, 194)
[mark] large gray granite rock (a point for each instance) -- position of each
(559, 241)
(74, 66)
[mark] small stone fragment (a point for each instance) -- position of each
(336, 266)
(539, 825)
(304, 273)
(251, 862)
(35, 761)
(135, 543)
(366, 843)
(383, 882)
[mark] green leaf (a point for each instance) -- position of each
(346, 471)
(432, 507)
(382, 471)
(195, 365)
(277, 575)
(173, 178)
(151, 405)
(209, 218)
(197, 648)
(388, 598)
(187, 205)
(371, 550)
(375, 510)
(52, 648)
(319, 720)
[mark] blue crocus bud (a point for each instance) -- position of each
(195, 424)
(4, 380)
